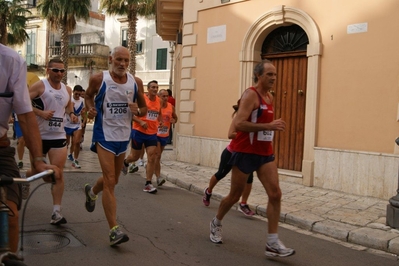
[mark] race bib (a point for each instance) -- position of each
(117, 111)
(162, 130)
(152, 115)
(55, 124)
(265, 135)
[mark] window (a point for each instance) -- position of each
(124, 38)
(124, 42)
(161, 58)
(139, 47)
(75, 38)
(30, 49)
(31, 3)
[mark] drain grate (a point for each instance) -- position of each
(47, 242)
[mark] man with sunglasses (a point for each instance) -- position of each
(51, 102)
(14, 95)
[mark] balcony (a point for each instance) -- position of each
(84, 55)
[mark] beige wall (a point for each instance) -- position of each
(352, 91)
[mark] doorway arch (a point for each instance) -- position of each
(251, 54)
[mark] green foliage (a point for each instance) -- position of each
(13, 19)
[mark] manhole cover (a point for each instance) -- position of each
(47, 242)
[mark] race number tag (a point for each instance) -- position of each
(55, 124)
(265, 135)
(162, 130)
(152, 115)
(117, 111)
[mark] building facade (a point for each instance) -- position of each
(153, 55)
(337, 87)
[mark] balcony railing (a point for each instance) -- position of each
(90, 49)
(90, 55)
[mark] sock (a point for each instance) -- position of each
(125, 163)
(147, 182)
(243, 203)
(216, 221)
(91, 193)
(56, 208)
(272, 238)
(208, 192)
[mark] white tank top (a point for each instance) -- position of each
(113, 120)
(77, 109)
(55, 100)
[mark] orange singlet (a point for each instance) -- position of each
(163, 131)
(151, 118)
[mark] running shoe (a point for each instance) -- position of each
(140, 162)
(116, 236)
(76, 164)
(244, 208)
(206, 199)
(216, 233)
(90, 201)
(133, 168)
(70, 157)
(124, 168)
(150, 189)
(20, 165)
(57, 219)
(277, 249)
(160, 181)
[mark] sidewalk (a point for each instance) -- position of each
(358, 222)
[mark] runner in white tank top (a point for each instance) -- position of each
(57, 101)
(109, 99)
(51, 100)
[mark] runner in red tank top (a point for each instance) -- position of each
(252, 151)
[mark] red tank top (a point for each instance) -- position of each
(256, 142)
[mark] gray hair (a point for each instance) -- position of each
(259, 68)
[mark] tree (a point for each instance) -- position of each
(13, 21)
(132, 9)
(62, 15)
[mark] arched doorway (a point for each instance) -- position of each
(286, 48)
(250, 55)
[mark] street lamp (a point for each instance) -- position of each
(393, 207)
(172, 52)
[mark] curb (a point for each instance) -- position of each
(383, 239)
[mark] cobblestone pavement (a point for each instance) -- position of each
(354, 221)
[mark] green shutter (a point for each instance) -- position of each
(161, 58)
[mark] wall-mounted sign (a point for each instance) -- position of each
(216, 34)
(357, 28)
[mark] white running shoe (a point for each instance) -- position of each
(216, 233)
(150, 189)
(277, 249)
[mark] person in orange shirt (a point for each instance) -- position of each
(145, 133)
(169, 118)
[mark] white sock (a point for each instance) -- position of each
(91, 193)
(216, 221)
(56, 208)
(272, 238)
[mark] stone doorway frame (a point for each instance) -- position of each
(250, 55)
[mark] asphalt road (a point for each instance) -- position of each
(168, 228)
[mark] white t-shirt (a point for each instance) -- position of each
(12, 79)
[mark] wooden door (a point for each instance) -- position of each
(289, 104)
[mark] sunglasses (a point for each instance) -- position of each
(56, 70)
